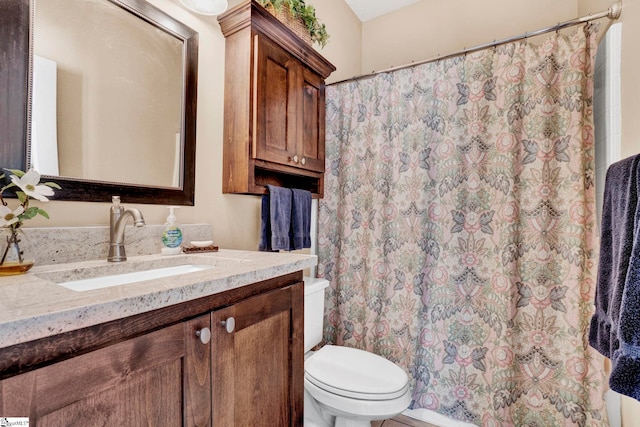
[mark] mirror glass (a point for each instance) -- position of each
(107, 93)
(113, 100)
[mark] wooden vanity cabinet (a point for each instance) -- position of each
(274, 113)
(194, 372)
(255, 382)
(157, 379)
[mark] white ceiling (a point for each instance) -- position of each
(369, 9)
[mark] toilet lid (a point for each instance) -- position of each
(355, 373)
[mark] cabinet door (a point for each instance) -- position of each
(275, 87)
(312, 116)
(258, 366)
(158, 379)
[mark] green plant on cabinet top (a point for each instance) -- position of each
(306, 12)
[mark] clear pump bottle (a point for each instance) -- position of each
(172, 235)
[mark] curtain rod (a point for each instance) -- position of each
(613, 13)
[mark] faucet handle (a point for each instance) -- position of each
(116, 208)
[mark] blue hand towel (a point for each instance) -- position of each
(301, 219)
(275, 227)
(615, 326)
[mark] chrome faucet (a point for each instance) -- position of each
(117, 223)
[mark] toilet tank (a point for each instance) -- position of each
(313, 311)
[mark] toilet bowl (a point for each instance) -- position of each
(346, 387)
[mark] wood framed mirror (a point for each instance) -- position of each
(119, 88)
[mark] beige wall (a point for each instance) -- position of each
(438, 27)
(235, 218)
(630, 20)
(345, 41)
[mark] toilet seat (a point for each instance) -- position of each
(356, 410)
(355, 374)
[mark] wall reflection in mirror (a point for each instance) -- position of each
(110, 106)
(107, 95)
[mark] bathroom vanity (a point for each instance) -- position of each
(220, 346)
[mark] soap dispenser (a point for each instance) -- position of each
(172, 235)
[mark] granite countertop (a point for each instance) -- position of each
(34, 306)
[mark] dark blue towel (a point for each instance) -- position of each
(301, 219)
(615, 326)
(265, 226)
(276, 219)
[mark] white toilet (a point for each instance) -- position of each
(345, 387)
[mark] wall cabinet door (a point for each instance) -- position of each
(162, 378)
(289, 104)
(276, 87)
(312, 115)
(258, 365)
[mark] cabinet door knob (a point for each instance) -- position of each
(303, 160)
(295, 158)
(229, 324)
(204, 334)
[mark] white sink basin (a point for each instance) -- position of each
(92, 283)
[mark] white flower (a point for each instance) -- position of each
(8, 217)
(30, 184)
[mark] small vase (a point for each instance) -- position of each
(12, 259)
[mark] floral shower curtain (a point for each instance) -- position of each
(458, 230)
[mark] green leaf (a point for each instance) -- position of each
(43, 213)
(32, 211)
(52, 185)
(29, 213)
(22, 196)
(7, 186)
(16, 172)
